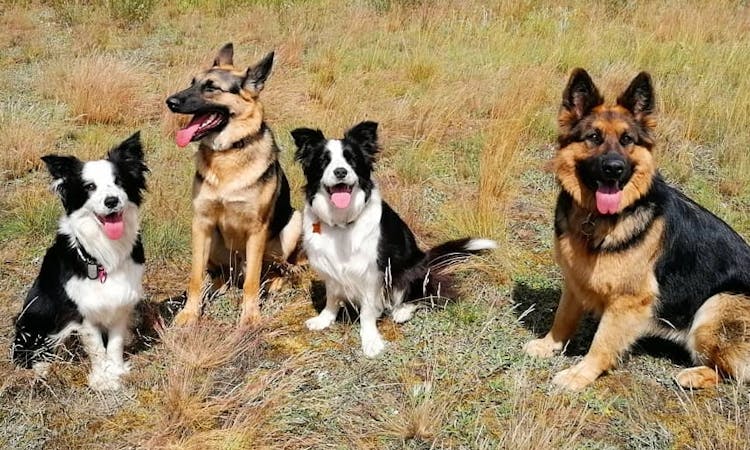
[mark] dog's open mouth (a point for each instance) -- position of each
(608, 196)
(113, 225)
(341, 195)
(201, 125)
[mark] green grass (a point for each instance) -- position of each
(466, 95)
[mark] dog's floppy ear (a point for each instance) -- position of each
(128, 158)
(365, 135)
(579, 98)
(257, 74)
(639, 99)
(61, 168)
(225, 56)
(306, 139)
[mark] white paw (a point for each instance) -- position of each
(41, 369)
(403, 313)
(320, 322)
(540, 348)
(372, 345)
(118, 369)
(103, 380)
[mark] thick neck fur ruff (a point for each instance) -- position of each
(346, 255)
(241, 166)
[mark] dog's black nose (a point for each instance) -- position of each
(173, 102)
(340, 172)
(613, 168)
(111, 202)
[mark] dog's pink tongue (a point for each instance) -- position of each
(185, 135)
(341, 199)
(114, 226)
(608, 199)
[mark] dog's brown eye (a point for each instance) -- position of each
(626, 139)
(594, 137)
(89, 187)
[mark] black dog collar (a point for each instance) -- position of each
(94, 270)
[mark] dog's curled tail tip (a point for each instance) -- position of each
(480, 245)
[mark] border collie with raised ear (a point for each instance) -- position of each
(361, 248)
(90, 280)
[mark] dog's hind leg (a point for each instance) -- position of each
(290, 234)
(719, 339)
(202, 237)
(282, 249)
(255, 247)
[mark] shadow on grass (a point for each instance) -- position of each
(536, 306)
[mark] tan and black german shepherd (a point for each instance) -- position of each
(241, 201)
(636, 251)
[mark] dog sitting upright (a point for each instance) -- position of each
(241, 202)
(635, 250)
(363, 250)
(90, 280)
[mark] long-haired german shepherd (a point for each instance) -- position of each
(636, 251)
(241, 200)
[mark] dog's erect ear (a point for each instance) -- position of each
(225, 56)
(638, 98)
(306, 139)
(128, 158)
(579, 98)
(61, 167)
(257, 74)
(128, 151)
(365, 135)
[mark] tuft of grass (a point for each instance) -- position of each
(131, 11)
(100, 89)
(26, 137)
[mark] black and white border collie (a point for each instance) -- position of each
(361, 248)
(90, 280)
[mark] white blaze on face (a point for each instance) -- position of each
(101, 174)
(339, 177)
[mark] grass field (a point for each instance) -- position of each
(466, 94)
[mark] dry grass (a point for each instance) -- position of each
(26, 137)
(466, 95)
(101, 89)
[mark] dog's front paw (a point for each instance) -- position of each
(186, 317)
(541, 348)
(372, 345)
(250, 317)
(119, 369)
(320, 322)
(104, 380)
(573, 379)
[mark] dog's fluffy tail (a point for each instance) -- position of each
(453, 252)
(431, 280)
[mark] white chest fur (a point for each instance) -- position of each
(106, 303)
(346, 255)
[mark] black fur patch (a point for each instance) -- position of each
(701, 256)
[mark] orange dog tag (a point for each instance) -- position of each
(316, 227)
